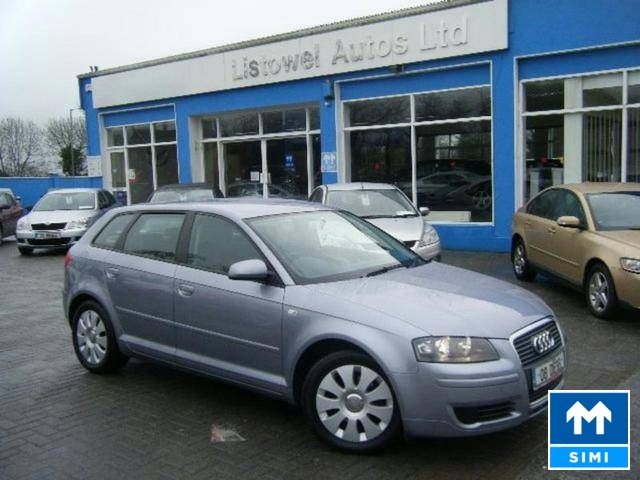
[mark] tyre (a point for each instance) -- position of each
(600, 292)
(521, 267)
(25, 250)
(94, 340)
(350, 403)
(1, 235)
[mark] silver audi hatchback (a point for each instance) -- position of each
(316, 307)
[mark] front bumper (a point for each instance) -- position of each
(428, 252)
(458, 400)
(63, 239)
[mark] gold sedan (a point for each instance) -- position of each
(587, 234)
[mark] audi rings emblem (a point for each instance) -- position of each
(543, 341)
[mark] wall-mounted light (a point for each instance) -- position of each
(396, 68)
(327, 92)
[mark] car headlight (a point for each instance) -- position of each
(429, 235)
(23, 224)
(630, 264)
(78, 224)
(454, 350)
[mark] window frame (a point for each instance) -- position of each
(346, 129)
(125, 147)
(522, 114)
(307, 133)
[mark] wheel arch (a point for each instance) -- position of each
(78, 300)
(587, 266)
(313, 353)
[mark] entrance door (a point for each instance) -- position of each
(287, 167)
(243, 169)
(140, 175)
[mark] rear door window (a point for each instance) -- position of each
(155, 235)
(544, 205)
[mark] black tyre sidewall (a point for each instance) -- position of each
(113, 359)
(528, 274)
(612, 306)
(309, 391)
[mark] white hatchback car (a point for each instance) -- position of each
(388, 208)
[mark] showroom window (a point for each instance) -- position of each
(434, 146)
(580, 129)
(270, 153)
(142, 157)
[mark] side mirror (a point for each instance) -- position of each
(248, 270)
(424, 211)
(568, 221)
(18, 198)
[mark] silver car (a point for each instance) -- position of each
(316, 307)
(388, 208)
(61, 217)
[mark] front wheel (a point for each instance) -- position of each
(94, 340)
(351, 403)
(601, 295)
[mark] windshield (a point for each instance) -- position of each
(372, 203)
(615, 210)
(327, 246)
(66, 201)
(182, 195)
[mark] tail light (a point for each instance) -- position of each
(67, 259)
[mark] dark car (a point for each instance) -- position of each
(185, 192)
(10, 212)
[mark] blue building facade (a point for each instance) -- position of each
(470, 107)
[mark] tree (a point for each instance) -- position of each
(20, 143)
(60, 134)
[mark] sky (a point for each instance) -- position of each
(45, 44)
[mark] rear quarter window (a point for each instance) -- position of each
(110, 234)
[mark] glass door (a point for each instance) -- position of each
(288, 176)
(243, 169)
(140, 174)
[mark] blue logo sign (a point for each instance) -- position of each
(289, 163)
(589, 430)
(329, 162)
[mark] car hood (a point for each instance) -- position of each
(444, 300)
(404, 229)
(59, 216)
(630, 238)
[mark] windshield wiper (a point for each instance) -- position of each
(382, 270)
(404, 215)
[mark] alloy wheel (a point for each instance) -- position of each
(519, 259)
(598, 291)
(354, 403)
(91, 336)
(482, 200)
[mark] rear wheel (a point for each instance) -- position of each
(521, 267)
(25, 250)
(351, 403)
(94, 339)
(600, 291)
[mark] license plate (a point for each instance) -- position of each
(46, 235)
(548, 371)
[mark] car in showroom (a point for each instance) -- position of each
(60, 218)
(388, 208)
(185, 192)
(587, 234)
(10, 212)
(317, 307)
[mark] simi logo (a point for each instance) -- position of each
(589, 430)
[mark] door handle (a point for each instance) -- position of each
(551, 230)
(527, 223)
(111, 272)
(185, 290)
